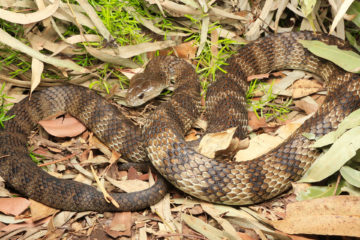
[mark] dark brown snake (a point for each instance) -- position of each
(233, 183)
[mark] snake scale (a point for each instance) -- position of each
(162, 138)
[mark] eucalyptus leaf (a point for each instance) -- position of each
(351, 175)
(351, 121)
(205, 229)
(355, 10)
(318, 192)
(348, 60)
(310, 136)
(352, 40)
(307, 6)
(350, 189)
(339, 153)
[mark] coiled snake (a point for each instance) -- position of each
(233, 183)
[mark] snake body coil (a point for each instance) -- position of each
(248, 182)
(102, 118)
(233, 183)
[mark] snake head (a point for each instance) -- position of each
(142, 89)
(160, 73)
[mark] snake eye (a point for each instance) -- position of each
(141, 96)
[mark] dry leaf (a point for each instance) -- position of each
(307, 104)
(96, 143)
(259, 145)
(26, 225)
(258, 76)
(61, 218)
(255, 122)
(29, 17)
(129, 185)
(216, 214)
(63, 127)
(40, 211)
(186, 50)
(120, 225)
(244, 236)
(340, 14)
(13, 206)
(109, 55)
(14, 43)
(100, 27)
(281, 86)
(304, 87)
(213, 142)
(37, 68)
(338, 215)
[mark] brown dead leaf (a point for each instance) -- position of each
(37, 68)
(28, 224)
(132, 174)
(213, 142)
(3, 191)
(129, 73)
(307, 104)
(191, 136)
(55, 234)
(120, 225)
(244, 236)
(77, 226)
(300, 187)
(13, 206)
(305, 87)
(337, 215)
(40, 211)
(186, 50)
(196, 210)
(286, 130)
(129, 185)
(93, 141)
(319, 98)
(295, 237)
(255, 122)
(28, 18)
(83, 179)
(258, 76)
(259, 145)
(63, 127)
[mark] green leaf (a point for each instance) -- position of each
(351, 175)
(318, 192)
(351, 121)
(310, 136)
(355, 10)
(307, 6)
(348, 60)
(339, 153)
(350, 189)
(352, 40)
(327, 191)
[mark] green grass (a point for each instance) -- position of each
(266, 106)
(208, 63)
(4, 107)
(126, 30)
(37, 158)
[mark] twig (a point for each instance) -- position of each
(57, 161)
(337, 184)
(181, 235)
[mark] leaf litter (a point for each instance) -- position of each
(174, 217)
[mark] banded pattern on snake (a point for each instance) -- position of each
(233, 183)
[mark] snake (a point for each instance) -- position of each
(161, 140)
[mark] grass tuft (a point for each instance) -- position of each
(4, 107)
